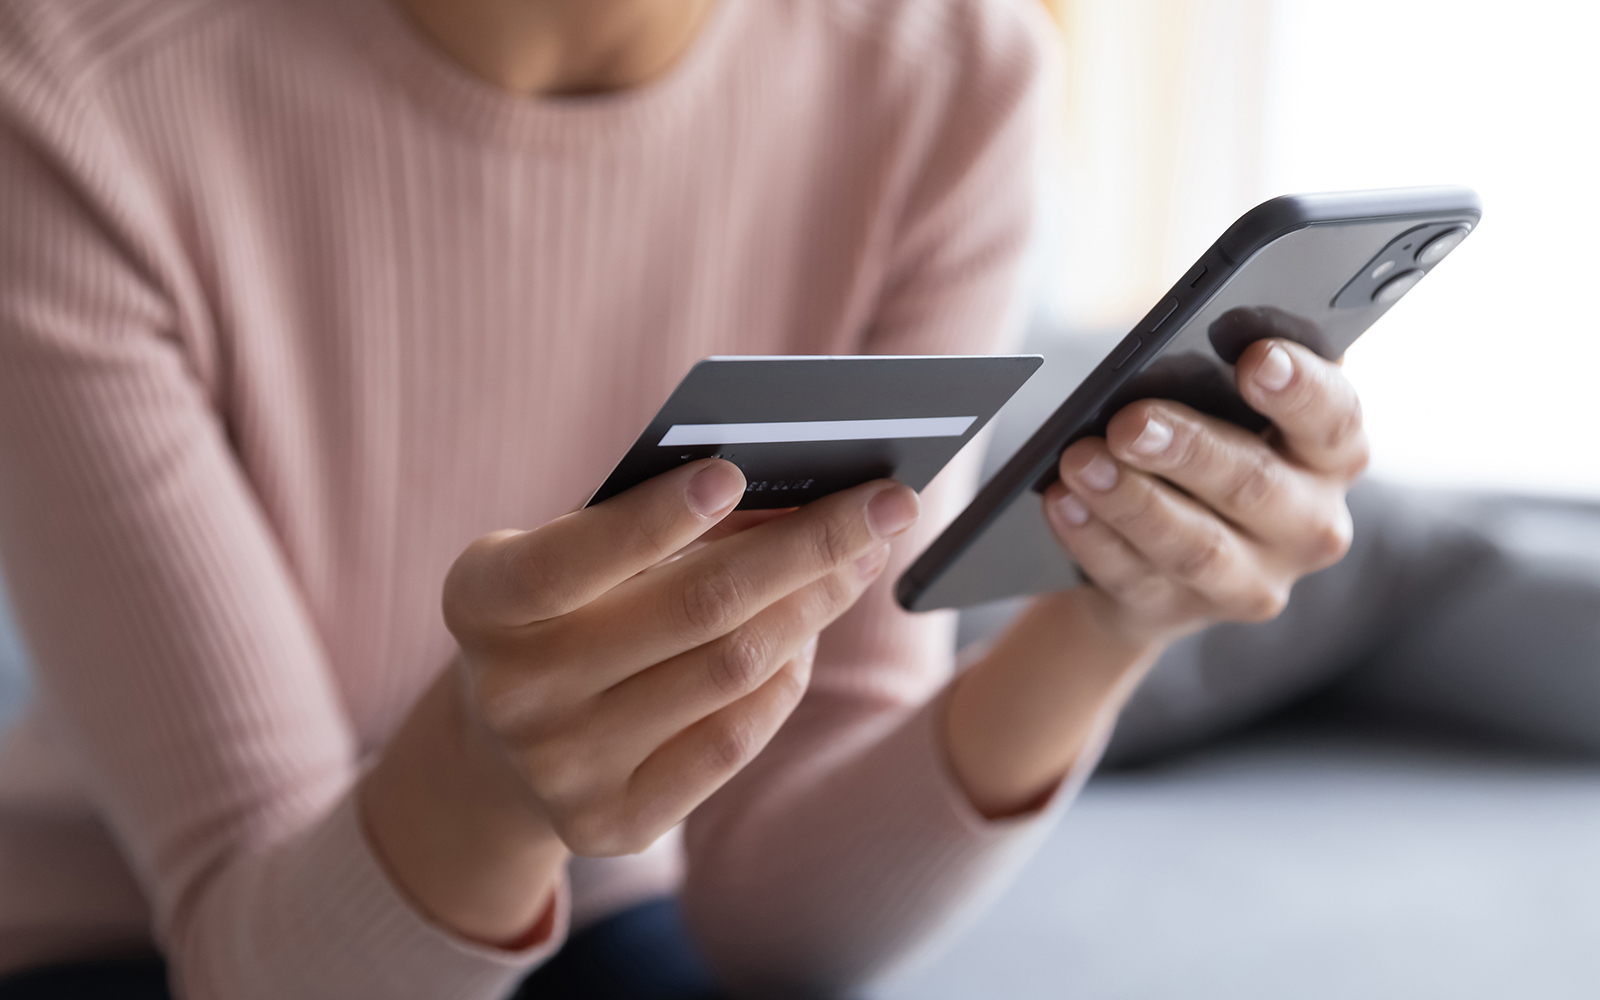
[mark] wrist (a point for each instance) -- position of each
(1104, 635)
(1114, 625)
(1019, 718)
(459, 836)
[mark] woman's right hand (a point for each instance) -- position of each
(605, 688)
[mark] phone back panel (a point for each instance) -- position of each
(1314, 282)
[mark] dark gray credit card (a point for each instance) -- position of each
(803, 427)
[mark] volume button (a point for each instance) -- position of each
(1162, 313)
(1128, 348)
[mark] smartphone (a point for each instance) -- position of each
(1318, 269)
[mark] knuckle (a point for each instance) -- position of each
(1203, 557)
(538, 581)
(1262, 604)
(501, 699)
(792, 682)
(1252, 485)
(832, 541)
(1135, 510)
(738, 662)
(478, 572)
(1346, 426)
(711, 603)
(515, 567)
(835, 592)
(1360, 456)
(560, 773)
(497, 705)
(656, 534)
(1330, 540)
(731, 745)
(830, 596)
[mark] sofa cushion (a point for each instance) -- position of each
(1306, 861)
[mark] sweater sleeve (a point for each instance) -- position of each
(171, 647)
(846, 846)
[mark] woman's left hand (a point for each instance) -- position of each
(1178, 520)
(1181, 520)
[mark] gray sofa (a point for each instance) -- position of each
(1324, 856)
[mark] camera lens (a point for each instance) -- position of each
(1382, 269)
(1396, 287)
(1433, 251)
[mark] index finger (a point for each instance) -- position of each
(1312, 405)
(710, 592)
(513, 578)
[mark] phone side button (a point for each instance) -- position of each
(1162, 313)
(1128, 348)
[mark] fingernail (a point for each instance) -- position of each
(1153, 440)
(1276, 369)
(1100, 473)
(715, 488)
(1072, 511)
(871, 564)
(809, 650)
(891, 511)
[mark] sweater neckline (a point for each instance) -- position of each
(469, 103)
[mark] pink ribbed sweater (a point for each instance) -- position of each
(292, 308)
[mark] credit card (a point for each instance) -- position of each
(800, 428)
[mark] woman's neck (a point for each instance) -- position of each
(562, 47)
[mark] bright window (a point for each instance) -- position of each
(1489, 372)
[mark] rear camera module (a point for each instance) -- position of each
(1401, 263)
(1397, 286)
(1433, 251)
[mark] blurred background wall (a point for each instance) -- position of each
(1177, 115)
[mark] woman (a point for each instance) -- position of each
(301, 298)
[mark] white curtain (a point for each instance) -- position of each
(1159, 145)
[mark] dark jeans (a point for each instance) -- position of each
(643, 953)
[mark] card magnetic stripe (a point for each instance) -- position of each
(787, 431)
